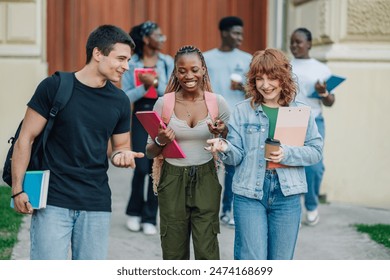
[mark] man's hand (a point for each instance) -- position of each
(125, 159)
(22, 204)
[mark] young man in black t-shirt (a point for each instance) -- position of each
(79, 198)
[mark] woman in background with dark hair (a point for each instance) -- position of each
(311, 75)
(266, 201)
(149, 41)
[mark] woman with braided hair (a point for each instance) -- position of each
(189, 192)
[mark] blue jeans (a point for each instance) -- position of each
(227, 192)
(54, 229)
(266, 229)
(314, 174)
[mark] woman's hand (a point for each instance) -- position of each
(321, 89)
(165, 135)
(218, 128)
(276, 156)
(326, 98)
(147, 79)
(216, 145)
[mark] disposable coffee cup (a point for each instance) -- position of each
(271, 145)
(236, 78)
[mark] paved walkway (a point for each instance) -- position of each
(334, 238)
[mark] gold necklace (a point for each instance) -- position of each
(183, 101)
(185, 107)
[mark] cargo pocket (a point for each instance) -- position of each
(163, 234)
(214, 250)
(163, 230)
(216, 228)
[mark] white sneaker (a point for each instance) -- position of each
(312, 218)
(133, 223)
(227, 219)
(149, 229)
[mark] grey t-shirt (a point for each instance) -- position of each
(192, 140)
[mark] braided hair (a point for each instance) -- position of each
(173, 83)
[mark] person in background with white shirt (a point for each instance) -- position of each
(311, 75)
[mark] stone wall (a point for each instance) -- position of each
(353, 38)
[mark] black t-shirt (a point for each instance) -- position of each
(77, 145)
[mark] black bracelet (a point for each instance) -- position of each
(158, 143)
(114, 154)
(15, 195)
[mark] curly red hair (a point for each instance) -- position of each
(275, 65)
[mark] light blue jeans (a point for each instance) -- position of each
(314, 174)
(266, 229)
(55, 231)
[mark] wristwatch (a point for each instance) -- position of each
(155, 82)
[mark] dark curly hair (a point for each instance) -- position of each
(275, 65)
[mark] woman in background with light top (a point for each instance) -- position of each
(311, 75)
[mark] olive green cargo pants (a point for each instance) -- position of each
(189, 201)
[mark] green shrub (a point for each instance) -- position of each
(380, 233)
(10, 222)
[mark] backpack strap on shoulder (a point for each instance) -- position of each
(212, 104)
(168, 106)
(63, 94)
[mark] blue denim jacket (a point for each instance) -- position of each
(248, 129)
(164, 68)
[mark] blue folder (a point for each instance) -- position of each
(331, 84)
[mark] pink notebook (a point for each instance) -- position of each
(152, 92)
(291, 127)
(150, 120)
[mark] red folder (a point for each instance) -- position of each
(150, 120)
(291, 127)
(152, 92)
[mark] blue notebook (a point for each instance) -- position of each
(35, 185)
(331, 84)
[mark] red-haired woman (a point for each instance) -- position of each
(267, 209)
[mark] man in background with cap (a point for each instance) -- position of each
(227, 66)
